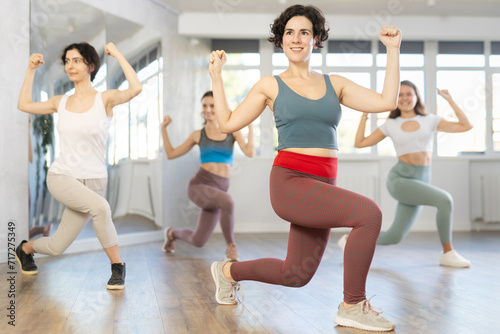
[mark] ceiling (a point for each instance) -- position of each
(486, 8)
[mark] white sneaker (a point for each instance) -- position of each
(363, 316)
(453, 259)
(342, 241)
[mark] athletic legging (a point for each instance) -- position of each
(209, 192)
(409, 184)
(83, 200)
(313, 205)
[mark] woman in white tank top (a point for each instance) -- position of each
(78, 176)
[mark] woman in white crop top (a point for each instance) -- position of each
(78, 176)
(412, 131)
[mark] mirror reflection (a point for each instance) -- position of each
(133, 145)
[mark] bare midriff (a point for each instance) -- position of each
(219, 169)
(417, 158)
(315, 151)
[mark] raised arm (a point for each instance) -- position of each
(463, 123)
(251, 107)
(248, 146)
(182, 149)
(366, 100)
(25, 102)
(362, 141)
(115, 97)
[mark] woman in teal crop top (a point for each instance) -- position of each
(412, 130)
(208, 188)
(302, 182)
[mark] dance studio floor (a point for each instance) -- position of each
(174, 293)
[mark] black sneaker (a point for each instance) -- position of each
(26, 261)
(117, 280)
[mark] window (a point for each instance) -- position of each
(349, 53)
(457, 70)
(496, 112)
(495, 54)
(412, 54)
(138, 120)
(241, 72)
(460, 54)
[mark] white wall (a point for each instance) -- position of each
(14, 53)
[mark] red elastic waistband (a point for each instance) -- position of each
(310, 164)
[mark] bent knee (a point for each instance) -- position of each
(228, 204)
(54, 251)
(102, 209)
(445, 202)
(371, 214)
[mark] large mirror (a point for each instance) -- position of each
(134, 139)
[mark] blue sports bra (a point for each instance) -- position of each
(302, 122)
(215, 150)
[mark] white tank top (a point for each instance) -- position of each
(83, 139)
(415, 141)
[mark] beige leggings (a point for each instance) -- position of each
(83, 200)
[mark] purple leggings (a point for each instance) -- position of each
(313, 205)
(209, 192)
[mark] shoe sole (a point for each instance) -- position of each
(35, 272)
(215, 276)
(354, 324)
(115, 287)
(454, 266)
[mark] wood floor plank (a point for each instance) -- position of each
(174, 293)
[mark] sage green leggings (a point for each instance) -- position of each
(410, 185)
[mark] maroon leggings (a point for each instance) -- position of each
(313, 205)
(209, 192)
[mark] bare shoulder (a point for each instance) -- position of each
(195, 136)
(268, 87)
(56, 100)
(266, 84)
(108, 94)
(339, 83)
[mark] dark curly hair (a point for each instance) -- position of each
(89, 54)
(312, 13)
(420, 108)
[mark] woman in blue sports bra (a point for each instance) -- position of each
(208, 188)
(412, 131)
(306, 107)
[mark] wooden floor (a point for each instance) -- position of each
(175, 293)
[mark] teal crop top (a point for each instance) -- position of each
(219, 151)
(302, 122)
